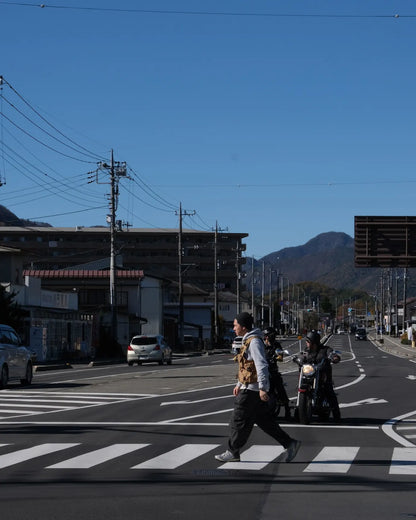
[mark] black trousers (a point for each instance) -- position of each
(249, 410)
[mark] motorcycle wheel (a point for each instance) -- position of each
(305, 408)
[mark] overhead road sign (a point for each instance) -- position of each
(385, 241)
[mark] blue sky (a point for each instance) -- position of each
(278, 119)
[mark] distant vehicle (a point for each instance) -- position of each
(236, 345)
(360, 334)
(146, 349)
(15, 359)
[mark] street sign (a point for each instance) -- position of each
(385, 241)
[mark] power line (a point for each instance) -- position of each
(43, 130)
(53, 189)
(150, 191)
(40, 142)
(68, 213)
(289, 184)
(4, 81)
(204, 226)
(146, 202)
(204, 13)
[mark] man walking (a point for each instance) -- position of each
(251, 396)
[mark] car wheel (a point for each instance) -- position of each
(27, 380)
(130, 363)
(4, 376)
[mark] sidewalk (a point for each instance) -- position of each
(393, 345)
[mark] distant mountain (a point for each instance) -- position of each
(327, 259)
(7, 218)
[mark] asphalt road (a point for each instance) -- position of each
(139, 442)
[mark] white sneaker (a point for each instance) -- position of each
(227, 456)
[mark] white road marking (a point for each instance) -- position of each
(177, 457)
(10, 459)
(330, 459)
(403, 461)
(165, 403)
(333, 459)
(93, 458)
(255, 458)
(369, 400)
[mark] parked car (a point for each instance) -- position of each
(360, 334)
(15, 359)
(151, 348)
(236, 345)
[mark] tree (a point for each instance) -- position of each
(10, 312)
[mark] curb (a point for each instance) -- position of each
(96, 363)
(44, 368)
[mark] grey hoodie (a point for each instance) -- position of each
(257, 353)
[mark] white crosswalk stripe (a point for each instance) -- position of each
(403, 461)
(255, 458)
(93, 458)
(328, 459)
(333, 459)
(31, 402)
(10, 459)
(177, 457)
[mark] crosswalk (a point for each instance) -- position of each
(14, 404)
(145, 456)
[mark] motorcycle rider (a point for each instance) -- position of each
(323, 356)
(274, 353)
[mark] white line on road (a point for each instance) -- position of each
(403, 461)
(171, 423)
(93, 458)
(165, 403)
(255, 458)
(333, 460)
(10, 459)
(175, 458)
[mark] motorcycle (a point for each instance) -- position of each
(310, 400)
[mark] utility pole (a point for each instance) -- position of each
(116, 170)
(252, 289)
(270, 300)
(216, 266)
(239, 275)
(404, 298)
(216, 285)
(262, 294)
(180, 273)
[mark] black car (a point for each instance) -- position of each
(360, 334)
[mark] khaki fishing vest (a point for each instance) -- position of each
(246, 368)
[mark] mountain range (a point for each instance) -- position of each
(327, 259)
(7, 218)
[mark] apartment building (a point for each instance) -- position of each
(154, 251)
